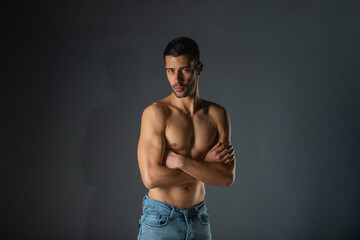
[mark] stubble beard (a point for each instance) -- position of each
(182, 94)
(188, 89)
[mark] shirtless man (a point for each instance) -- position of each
(184, 143)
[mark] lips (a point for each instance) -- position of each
(178, 89)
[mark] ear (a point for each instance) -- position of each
(200, 68)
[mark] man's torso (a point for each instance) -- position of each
(190, 136)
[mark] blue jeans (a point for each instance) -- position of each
(164, 221)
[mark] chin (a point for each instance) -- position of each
(180, 95)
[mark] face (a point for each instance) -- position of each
(182, 75)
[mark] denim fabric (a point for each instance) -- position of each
(164, 221)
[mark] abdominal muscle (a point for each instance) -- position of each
(182, 196)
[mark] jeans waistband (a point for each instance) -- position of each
(171, 210)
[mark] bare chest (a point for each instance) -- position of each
(190, 135)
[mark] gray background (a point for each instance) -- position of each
(76, 75)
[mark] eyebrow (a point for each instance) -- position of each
(180, 67)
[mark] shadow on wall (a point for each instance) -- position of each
(109, 154)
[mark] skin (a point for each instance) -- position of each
(184, 140)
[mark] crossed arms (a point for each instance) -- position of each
(161, 168)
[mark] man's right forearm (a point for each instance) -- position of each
(161, 176)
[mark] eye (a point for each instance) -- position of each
(170, 70)
(186, 70)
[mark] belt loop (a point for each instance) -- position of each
(143, 202)
(171, 213)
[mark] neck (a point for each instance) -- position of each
(188, 104)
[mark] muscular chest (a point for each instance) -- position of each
(190, 135)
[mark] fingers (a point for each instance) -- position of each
(230, 159)
(216, 146)
(221, 147)
(221, 153)
(227, 155)
(228, 149)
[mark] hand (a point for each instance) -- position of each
(173, 160)
(220, 153)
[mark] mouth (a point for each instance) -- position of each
(179, 88)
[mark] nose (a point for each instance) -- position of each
(178, 76)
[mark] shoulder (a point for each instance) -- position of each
(219, 115)
(156, 112)
(216, 111)
(221, 118)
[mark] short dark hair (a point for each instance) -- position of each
(181, 46)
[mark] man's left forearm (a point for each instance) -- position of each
(209, 172)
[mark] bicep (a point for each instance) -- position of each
(224, 126)
(151, 145)
(150, 149)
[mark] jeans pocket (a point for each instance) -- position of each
(204, 218)
(155, 219)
